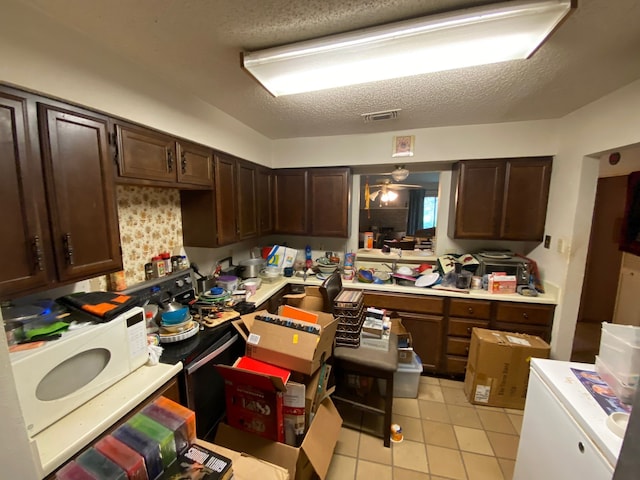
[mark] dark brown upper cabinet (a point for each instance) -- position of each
(502, 199)
(68, 230)
(147, 157)
(226, 215)
(265, 200)
(81, 192)
(26, 234)
(290, 201)
(329, 202)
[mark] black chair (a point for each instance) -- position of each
(329, 290)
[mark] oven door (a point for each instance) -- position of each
(204, 387)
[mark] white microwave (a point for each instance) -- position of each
(58, 377)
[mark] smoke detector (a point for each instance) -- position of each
(380, 116)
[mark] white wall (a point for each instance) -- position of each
(38, 55)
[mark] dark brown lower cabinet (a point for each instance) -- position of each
(426, 332)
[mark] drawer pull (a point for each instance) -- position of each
(466, 350)
(470, 310)
(469, 330)
(581, 447)
(525, 315)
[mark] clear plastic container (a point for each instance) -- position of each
(620, 350)
(406, 380)
(624, 393)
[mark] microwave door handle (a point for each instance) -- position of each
(195, 366)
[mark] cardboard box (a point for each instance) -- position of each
(287, 347)
(311, 299)
(405, 341)
(309, 460)
(498, 367)
(502, 283)
(293, 411)
(246, 467)
(254, 399)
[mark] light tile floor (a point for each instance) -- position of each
(445, 437)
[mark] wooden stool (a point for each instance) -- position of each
(368, 362)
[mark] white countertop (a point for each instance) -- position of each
(59, 442)
(579, 402)
(266, 290)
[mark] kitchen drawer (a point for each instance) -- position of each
(540, 331)
(406, 303)
(528, 313)
(470, 308)
(458, 346)
(456, 365)
(461, 327)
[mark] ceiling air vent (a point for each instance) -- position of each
(380, 116)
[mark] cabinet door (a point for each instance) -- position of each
(247, 220)
(265, 200)
(427, 336)
(145, 154)
(478, 205)
(329, 202)
(290, 201)
(196, 164)
(526, 193)
(225, 181)
(81, 193)
(25, 231)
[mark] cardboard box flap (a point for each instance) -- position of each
(262, 381)
(248, 467)
(322, 436)
(263, 448)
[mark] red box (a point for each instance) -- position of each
(254, 397)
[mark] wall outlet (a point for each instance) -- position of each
(561, 245)
(547, 241)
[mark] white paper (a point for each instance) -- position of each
(517, 340)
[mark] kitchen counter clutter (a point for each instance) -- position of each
(266, 290)
(70, 434)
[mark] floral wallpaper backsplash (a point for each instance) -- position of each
(150, 223)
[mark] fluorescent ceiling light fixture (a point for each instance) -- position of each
(464, 38)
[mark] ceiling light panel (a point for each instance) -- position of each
(489, 34)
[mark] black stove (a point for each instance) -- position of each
(201, 386)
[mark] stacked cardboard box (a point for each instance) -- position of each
(306, 423)
(350, 312)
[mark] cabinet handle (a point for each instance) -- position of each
(525, 315)
(466, 349)
(470, 310)
(68, 248)
(581, 447)
(469, 330)
(37, 252)
(170, 160)
(183, 163)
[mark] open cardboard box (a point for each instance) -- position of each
(310, 299)
(405, 341)
(286, 347)
(312, 458)
(246, 467)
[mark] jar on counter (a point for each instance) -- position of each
(166, 258)
(148, 271)
(175, 263)
(158, 266)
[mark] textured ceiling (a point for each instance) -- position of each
(196, 45)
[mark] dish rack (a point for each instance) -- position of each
(348, 308)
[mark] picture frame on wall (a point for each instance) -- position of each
(403, 146)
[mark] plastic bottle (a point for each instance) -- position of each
(307, 254)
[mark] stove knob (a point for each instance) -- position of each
(187, 280)
(179, 283)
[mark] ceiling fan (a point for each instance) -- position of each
(386, 190)
(399, 174)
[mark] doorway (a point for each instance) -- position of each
(602, 270)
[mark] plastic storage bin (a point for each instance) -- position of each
(620, 351)
(624, 393)
(406, 380)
